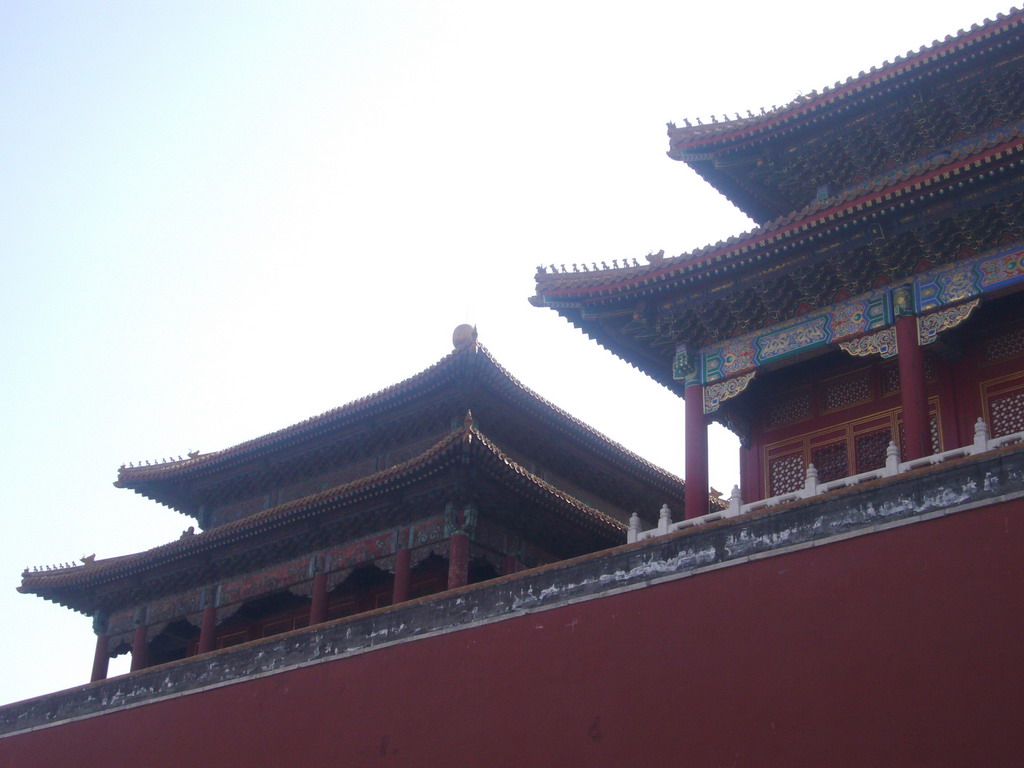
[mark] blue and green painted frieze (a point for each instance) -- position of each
(848, 319)
(963, 280)
(921, 294)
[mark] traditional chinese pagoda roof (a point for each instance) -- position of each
(795, 263)
(771, 163)
(469, 374)
(342, 508)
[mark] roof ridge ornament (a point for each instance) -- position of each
(463, 336)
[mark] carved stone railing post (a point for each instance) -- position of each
(811, 482)
(664, 519)
(892, 459)
(735, 502)
(634, 528)
(980, 436)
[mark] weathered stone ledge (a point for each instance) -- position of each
(943, 489)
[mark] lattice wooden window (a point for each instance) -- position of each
(789, 410)
(1007, 414)
(890, 380)
(787, 474)
(933, 432)
(842, 450)
(846, 392)
(831, 461)
(1005, 345)
(1003, 400)
(889, 377)
(870, 449)
(931, 370)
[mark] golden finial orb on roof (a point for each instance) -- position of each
(464, 336)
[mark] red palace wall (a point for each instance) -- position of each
(898, 648)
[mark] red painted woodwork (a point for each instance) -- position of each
(750, 474)
(992, 371)
(428, 578)
(458, 560)
(944, 389)
(100, 660)
(255, 620)
(798, 414)
(403, 567)
(365, 590)
(208, 630)
(696, 468)
(318, 607)
(140, 649)
(912, 390)
(900, 648)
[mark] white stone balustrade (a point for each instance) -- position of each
(893, 466)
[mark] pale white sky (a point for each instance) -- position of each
(220, 218)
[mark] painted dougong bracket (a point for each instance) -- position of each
(685, 364)
(717, 393)
(930, 326)
(928, 329)
(879, 343)
(940, 298)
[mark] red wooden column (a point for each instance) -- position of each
(318, 607)
(100, 660)
(696, 501)
(140, 650)
(208, 629)
(458, 559)
(750, 474)
(511, 565)
(912, 387)
(403, 571)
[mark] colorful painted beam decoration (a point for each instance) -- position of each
(936, 294)
(967, 279)
(846, 320)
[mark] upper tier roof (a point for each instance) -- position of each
(605, 303)
(465, 371)
(833, 136)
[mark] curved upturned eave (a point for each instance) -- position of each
(690, 140)
(159, 482)
(787, 231)
(661, 374)
(71, 587)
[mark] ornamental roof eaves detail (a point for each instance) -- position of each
(449, 368)
(49, 583)
(687, 141)
(573, 289)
